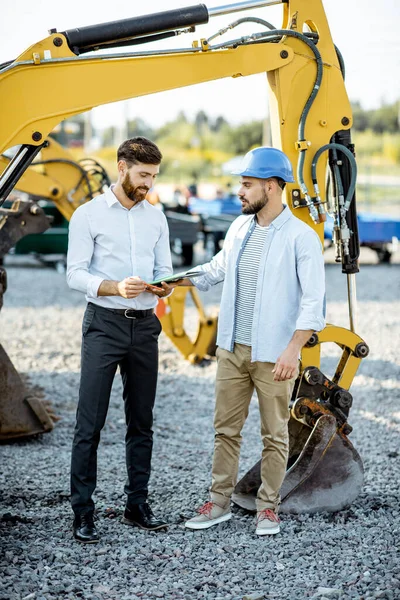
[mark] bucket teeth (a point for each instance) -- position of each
(21, 415)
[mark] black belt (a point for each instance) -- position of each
(129, 313)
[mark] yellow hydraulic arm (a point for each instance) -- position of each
(66, 84)
(311, 120)
(58, 177)
(308, 100)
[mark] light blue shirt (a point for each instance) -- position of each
(290, 292)
(110, 242)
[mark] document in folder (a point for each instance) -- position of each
(177, 276)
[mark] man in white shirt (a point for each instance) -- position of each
(273, 299)
(117, 242)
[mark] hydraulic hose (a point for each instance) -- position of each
(83, 177)
(352, 160)
(240, 22)
(276, 36)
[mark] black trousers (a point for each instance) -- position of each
(109, 340)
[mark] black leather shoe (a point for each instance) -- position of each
(141, 515)
(85, 530)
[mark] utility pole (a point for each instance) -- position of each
(87, 132)
(267, 136)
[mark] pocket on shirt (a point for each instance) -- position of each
(87, 318)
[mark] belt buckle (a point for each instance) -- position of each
(127, 316)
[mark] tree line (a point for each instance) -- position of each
(197, 148)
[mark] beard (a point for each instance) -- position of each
(135, 193)
(255, 207)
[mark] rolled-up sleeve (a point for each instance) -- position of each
(80, 253)
(215, 270)
(311, 275)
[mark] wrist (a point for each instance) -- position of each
(109, 288)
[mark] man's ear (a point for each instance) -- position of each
(269, 185)
(122, 167)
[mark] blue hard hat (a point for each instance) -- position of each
(266, 162)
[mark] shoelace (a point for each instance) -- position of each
(87, 519)
(206, 509)
(148, 512)
(269, 515)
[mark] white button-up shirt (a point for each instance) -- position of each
(290, 292)
(109, 242)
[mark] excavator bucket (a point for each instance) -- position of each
(21, 415)
(325, 473)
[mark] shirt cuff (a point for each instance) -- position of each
(310, 324)
(93, 286)
(200, 283)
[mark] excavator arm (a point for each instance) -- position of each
(310, 121)
(56, 176)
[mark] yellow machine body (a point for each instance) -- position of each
(65, 84)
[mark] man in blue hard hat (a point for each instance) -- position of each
(272, 302)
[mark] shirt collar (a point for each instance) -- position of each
(281, 219)
(112, 199)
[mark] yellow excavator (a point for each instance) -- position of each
(311, 120)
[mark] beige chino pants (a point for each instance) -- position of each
(237, 377)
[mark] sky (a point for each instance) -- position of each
(365, 32)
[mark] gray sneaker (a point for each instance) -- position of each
(267, 522)
(209, 514)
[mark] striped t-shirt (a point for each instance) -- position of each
(247, 284)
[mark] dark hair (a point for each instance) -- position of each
(139, 150)
(281, 182)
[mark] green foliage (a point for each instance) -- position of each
(196, 149)
(138, 127)
(242, 138)
(377, 149)
(380, 120)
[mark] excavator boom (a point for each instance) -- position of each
(310, 120)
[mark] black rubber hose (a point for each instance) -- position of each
(84, 175)
(252, 20)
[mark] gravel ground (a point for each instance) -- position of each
(353, 554)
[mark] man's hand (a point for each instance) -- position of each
(286, 366)
(131, 287)
(163, 291)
